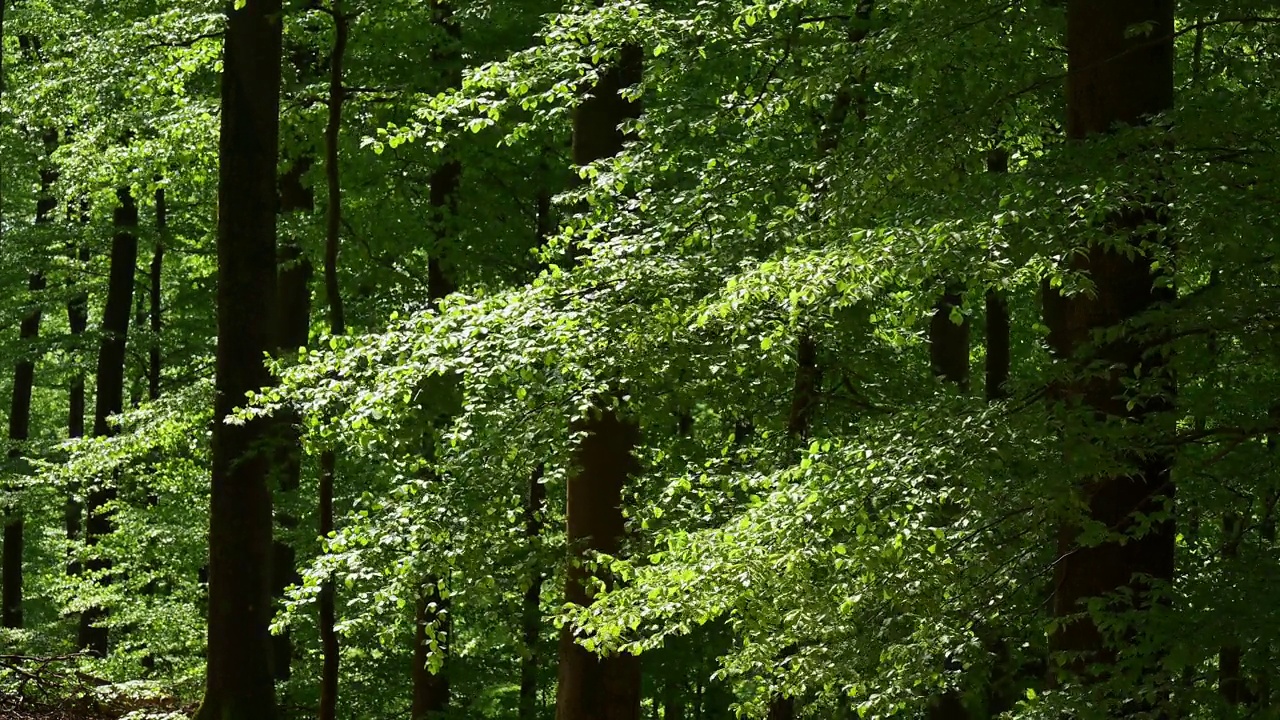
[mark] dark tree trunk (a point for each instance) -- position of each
(293, 330)
(592, 687)
(804, 391)
(11, 568)
(949, 360)
(431, 690)
(337, 326)
(949, 341)
(997, 311)
(1114, 77)
(1231, 684)
(157, 322)
(534, 521)
(673, 702)
(239, 682)
(109, 394)
(19, 430)
(998, 358)
(531, 606)
(78, 321)
(293, 302)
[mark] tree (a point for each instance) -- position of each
(239, 680)
(592, 687)
(19, 424)
(1115, 79)
(109, 399)
(20, 411)
(337, 327)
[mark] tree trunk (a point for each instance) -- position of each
(11, 566)
(534, 511)
(949, 341)
(1231, 684)
(673, 701)
(431, 689)
(997, 310)
(531, 606)
(337, 326)
(293, 331)
(1114, 77)
(293, 315)
(109, 394)
(19, 430)
(998, 358)
(78, 321)
(592, 687)
(239, 678)
(949, 360)
(154, 313)
(804, 404)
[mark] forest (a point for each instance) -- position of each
(640, 359)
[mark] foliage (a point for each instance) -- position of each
(803, 168)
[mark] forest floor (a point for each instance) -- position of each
(15, 708)
(53, 688)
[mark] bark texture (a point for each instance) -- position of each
(239, 679)
(11, 574)
(531, 605)
(78, 322)
(998, 358)
(949, 360)
(949, 341)
(155, 296)
(592, 687)
(11, 563)
(431, 690)
(293, 328)
(1114, 78)
(337, 326)
(109, 396)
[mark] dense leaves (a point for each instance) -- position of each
(803, 172)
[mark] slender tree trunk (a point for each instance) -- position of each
(239, 682)
(78, 321)
(431, 689)
(1114, 77)
(949, 360)
(949, 341)
(154, 314)
(11, 566)
(337, 326)
(673, 699)
(531, 606)
(3, 85)
(534, 511)
(1231, 684)
(109, 394)
(19, 429)
(293, 315)
(592, 687)
(998, 358)
(997, 311)
(293, 301)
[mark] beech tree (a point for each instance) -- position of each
(1116, 78)
(239, 678)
